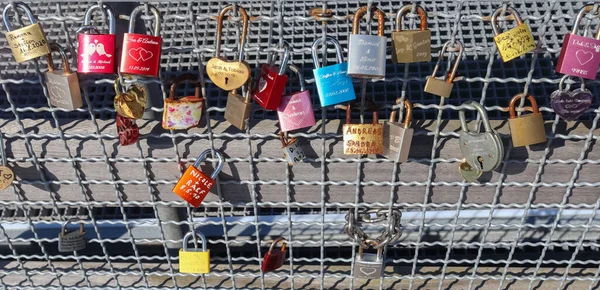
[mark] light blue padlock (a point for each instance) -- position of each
(333, 83)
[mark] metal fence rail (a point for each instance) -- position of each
(532, 223)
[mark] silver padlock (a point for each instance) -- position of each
(71, 241)
(443, 87)
(291, 149)
(483, 151)
(368, 266)
(397, 136)
(62, 84)
(367, 53)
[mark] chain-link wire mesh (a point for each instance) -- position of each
(532, 223)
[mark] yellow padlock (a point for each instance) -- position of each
(513, 42)
(194, 261)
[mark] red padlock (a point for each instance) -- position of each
(141, 52)
(275, 257)
(194, 185)
(271, 83)
(96, 52)
(128, 130)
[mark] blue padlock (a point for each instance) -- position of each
(333, 83)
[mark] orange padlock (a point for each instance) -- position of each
(194, 185)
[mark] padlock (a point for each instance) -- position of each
(397, 137)
(229, 75)
(570, 105)
(580, 55)
(141, 52)
(128, 130)
(26, 42)
(71, 241)
(184, 112)
(194, 261)
(194, 185)
(130, 103)
(62, 84)
(295, 110)
(292, 150)
(443, 87)
(410, 46)
(238, 108)
(368, 266)
(274, 258)
(366, 53)
(526, 129)
(514, 42)
(334, 86)
(96, 51)
(483, 151)
(271, 84)
(362, 138)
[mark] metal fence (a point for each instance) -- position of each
(532, 223)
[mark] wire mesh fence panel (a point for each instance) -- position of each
(530, 223)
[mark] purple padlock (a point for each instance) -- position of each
(579, 55)
(295, 110)
(570, 105)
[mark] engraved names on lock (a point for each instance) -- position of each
(96, 53)
(293, 153)
(515, 42)
(367, 54)
(363, 139)
(571, 105)
(72, 241)
(579, 56)
(417, 45)
(141, 54)
(193, 186)
(28, 42)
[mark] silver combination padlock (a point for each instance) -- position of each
(368, 266)
(71, 241)
(483, 151)
(367, 53)
(397, 137)
(291, 149)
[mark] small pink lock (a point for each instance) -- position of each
(579, 55)
(295, 110)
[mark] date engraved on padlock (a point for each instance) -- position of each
(194, 185)
(96, 51)
(334, 86)
(514, 42)
(580, 55)
(363, 138)
(367, 53)
(410, 46)
(26, 42)
(141, 52)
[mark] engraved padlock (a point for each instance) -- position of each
(366, 53)
(194, 185)
(362, 138)
(295, 110)
(275, 257)
(368, 265)
(397, 137)
(526, 129)
(62, 84)
(194, 261)
(334, 86)
(570, 105)
(238, 108)
(270, 85)
(26, 42)
(443, 87)
(183, 113)
(96, 51)
(410, 46)
(141, 52)
(483, 151)
(127, 129)
(229, 75)
(292, 149)
(131, 102)
(513, 42)
(73, 240)
(580, 55)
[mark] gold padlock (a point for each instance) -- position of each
(526, 129)
(26, 42)
(362, 138)
(410, 46)
(443, 87)
(194, 261)
(130, 103)
(514, 42)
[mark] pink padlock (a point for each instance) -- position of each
(96, 51)
(295, 110)
(580, 55)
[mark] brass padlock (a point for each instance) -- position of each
(514, 42)
(443, 87)
(26, 42)
(130, 103)
(239, 108)
(362, 138)
(527, 129)
(411, 45)
(62, 84)
(194, 261)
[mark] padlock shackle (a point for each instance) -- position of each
(119, 84)
(86, 28)
(509, 10)
(449, 78)
(482, 112)
(87, 20)
(187, 237)
(244, 17)
(564, 78)
(328, 39)
(407, 8)
(186, 78)
(23, 7)
(408, 106)
(137, 10)
(65, 60)
(511, 107)
(283, 139)
(277, 241)
(295, 69)
(585, 10)
(63, 229)
(371, 243)
(203, 156)
(370, 106)
(285, 59)
(376, 12)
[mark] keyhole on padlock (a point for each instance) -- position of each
(480, 160)
(226, 80)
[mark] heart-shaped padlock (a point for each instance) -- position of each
(131, 103)
(570, 105)
(482, 150)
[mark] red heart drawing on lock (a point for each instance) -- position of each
(140, 54)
